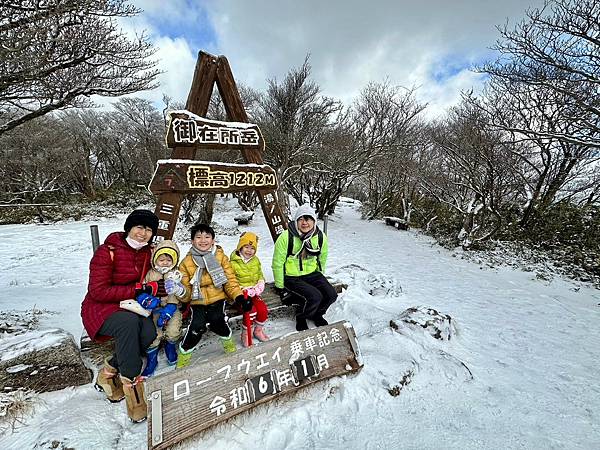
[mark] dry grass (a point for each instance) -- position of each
(14, 406)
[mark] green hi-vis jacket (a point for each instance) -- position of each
(247, 273)
(290, 265)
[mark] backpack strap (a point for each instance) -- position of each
(111, 252)
(290, 249)
(320, 237)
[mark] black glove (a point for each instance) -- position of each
(245, 303)
(154, 288)
(285, 295)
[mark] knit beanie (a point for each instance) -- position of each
(305, 210)
(143, 217)
(248, 238)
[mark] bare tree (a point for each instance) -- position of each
(556, 49)
(387, 138)
(473, 173)
(293, 116)
(57, 53)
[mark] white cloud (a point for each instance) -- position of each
(428, 43)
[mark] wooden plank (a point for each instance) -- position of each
(184, 176)
(274, 215)
(209, 392)
(190, 130)
(169, 203)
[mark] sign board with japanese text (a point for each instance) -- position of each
(205, 176)
(186, 401)
(187, 129)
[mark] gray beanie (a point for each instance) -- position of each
(305, 210)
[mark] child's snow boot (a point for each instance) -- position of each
(259, 332)
(171, 352)
(135, 398)
(243, 337)
(183, 357)
(151, 361)
(228, 344)
(108, 381)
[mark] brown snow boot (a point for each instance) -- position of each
(108, 381)
(135, 398)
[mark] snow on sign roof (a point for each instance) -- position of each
(215, 122)
(32, 341)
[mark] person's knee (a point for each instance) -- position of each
(131, 368)
(148, 333)
(126, 324)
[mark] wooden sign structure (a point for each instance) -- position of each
(189, 132)
(187, 401)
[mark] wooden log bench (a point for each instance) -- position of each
(95, 352)
(244, 218)
(396, 222)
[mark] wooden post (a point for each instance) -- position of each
(95, 237)
(275, 217)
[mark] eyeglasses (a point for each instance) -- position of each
(306, 218)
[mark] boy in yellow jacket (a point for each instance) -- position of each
(209, 282)
(248, 271)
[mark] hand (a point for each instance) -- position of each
(155, 288)
(259, 287)
(174, 287)
(165, 314)
(284, 294)
(147, 301)
(246, 303)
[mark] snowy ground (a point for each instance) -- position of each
(532, 348)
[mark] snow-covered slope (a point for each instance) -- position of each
(520, 370)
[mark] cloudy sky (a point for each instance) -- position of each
(430, 44)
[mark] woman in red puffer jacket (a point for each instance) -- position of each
(118, 305)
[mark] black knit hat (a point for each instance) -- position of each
(143, 217)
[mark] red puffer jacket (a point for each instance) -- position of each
(112, 279)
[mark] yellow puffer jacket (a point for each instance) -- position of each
(210, 293)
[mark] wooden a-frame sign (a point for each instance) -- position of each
(189, 131)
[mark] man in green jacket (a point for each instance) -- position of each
(298, 265)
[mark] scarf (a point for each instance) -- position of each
(306, 249)
(206, 260)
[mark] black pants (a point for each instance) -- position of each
(133, 335)
(212, 315)
(317, 292)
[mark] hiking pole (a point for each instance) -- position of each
(247, 322)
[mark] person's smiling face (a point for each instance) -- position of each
(140, 233)
(305, 224)
(203, 241)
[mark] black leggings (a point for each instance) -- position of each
(212, 315)
(133, 335)
(317, 292)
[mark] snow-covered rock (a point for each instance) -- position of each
(437, 324)
(43, 360)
